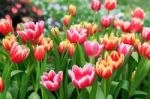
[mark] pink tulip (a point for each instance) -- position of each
(82, 77)
(106, 21)
(96, 5)
(138, 13)
(110, 4)
(51, 80)
(77, 34)
(124, 48)
(31, 31)
(146, 33)
(18, 53)
(93, 48)
(5, 26)
(136, 25)
(125, 26)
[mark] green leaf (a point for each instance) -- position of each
(99, 93)
(34, 95)
(139, 94)
(94, 89)
(16, 72)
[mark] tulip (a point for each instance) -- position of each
(138, 13)
(104, 68)
(66, 20)
(72, 10)
(77, 34)
(117, 23)
(109, 42)
(136, 25)
(66, 46)
(8, 42)
(5, 26)
(14, 10)
(39, 52)
(110, 4)
(96, 5)
(82, 77)
(137, 42)
(93, 48)
(31, 31)
(146, 33)
(106, 21)
(51, 81)
(1, 84)
(117, 59)
(124, 48)
(125, 27)
(18, 53)
(128, 38)
(55, 31)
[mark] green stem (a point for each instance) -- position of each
(38, 73)
(106, 87)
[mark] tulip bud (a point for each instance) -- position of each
(136, 25)
(138, 13)
(125, 26)
(55, 31)
(5, 26)
(66, 20)
(39, 52)
(146, 33)
(96, 5)
(1, 84)
(72, 10)
(110, 4)
(106, 21)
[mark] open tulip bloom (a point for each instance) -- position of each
(101, 57)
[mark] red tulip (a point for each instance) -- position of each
(110, 4)
(146, 33)
(5, 26)
(109, 42)
(82, 77)
(104, 68)
(96, 5)
(66, 20)
(31, 31)
(117, 59)
(51, 81)
(1, 84)
(125, 27)
(8, 42)
(72, 10)
(93, 48)
(136, 25)
(138, 13)
(39, 52)
(106, 21)
(18, 53)
(124, 48)
(128, 38)
(77, 34)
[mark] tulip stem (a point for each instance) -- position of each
(106, 87)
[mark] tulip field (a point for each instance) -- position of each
(74, 49)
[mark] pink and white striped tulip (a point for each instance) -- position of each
(82, 77)
(93, 48)
(51, 81)
(77, 34)
(96, 5)
(146, 33)
(124, 48)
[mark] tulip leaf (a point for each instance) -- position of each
(139, 94)
(99, 93)
(94, 89)
(34, 95)
(16, 72)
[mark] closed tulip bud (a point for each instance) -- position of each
(55, 31)
(77, 34)
(104, 68)
(66, 20)
(110, 4)
(93, 48)
(1, 84)
(8, 42)
(72, 10)
(136, 25)
(117, 59)
(51, 81)
(106, 21)
(47, 43)
(18, 53)
(146, 33)
(5, 26)
(109, 42)
(71, 49)
(137, 42)
(96, 5)
(124, 49)
(125, 26)
(138, 13)
(39, 52)
(128, 38)
(82, 77)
